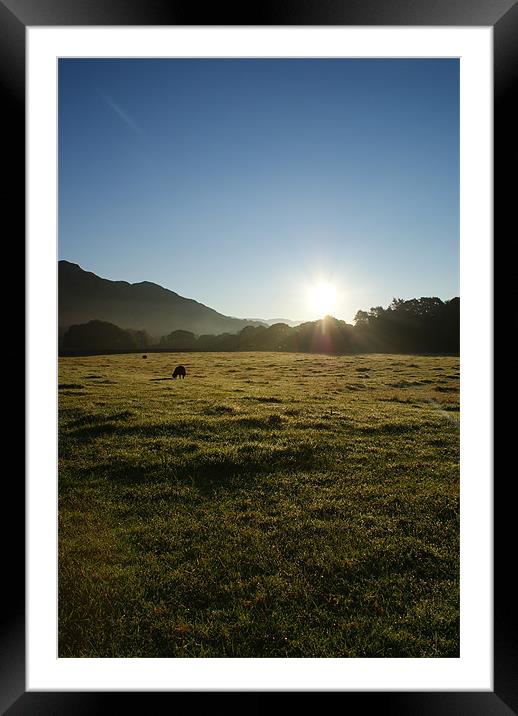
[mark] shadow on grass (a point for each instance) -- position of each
(178, 428)
(90, 427)
(92, 420)
(211, 471)
(219, 410)
(388, 429)
(267, 422)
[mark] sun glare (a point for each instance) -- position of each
(322, 298)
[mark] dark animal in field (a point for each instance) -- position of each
(179, 372)
(144, 356)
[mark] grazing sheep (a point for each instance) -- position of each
(179, 371)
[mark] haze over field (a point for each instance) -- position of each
(252, 185)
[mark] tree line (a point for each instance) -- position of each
(421, 325)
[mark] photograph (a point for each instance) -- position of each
(258, 289)
(247, 236)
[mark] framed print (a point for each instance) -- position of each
(290, 484)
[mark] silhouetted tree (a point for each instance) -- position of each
(425, 324)
(252, 338)
(184, 340)
(97, 335)
(142, 338)
(418, 325)
(361, 318)
(276, 337)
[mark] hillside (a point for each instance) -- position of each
(84, 297)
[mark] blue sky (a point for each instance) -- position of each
(242, 183)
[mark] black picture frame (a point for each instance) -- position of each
(15, 16)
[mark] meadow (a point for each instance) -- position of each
(269, 505)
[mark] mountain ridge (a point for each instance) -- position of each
(84, 296)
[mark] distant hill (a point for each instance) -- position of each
(287, 321)
(84, 297)
(273, 321)
(423, 325)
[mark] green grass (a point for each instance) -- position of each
(269, 505)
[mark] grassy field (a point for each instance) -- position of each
(270, 504)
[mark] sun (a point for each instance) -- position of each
(322, 298)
